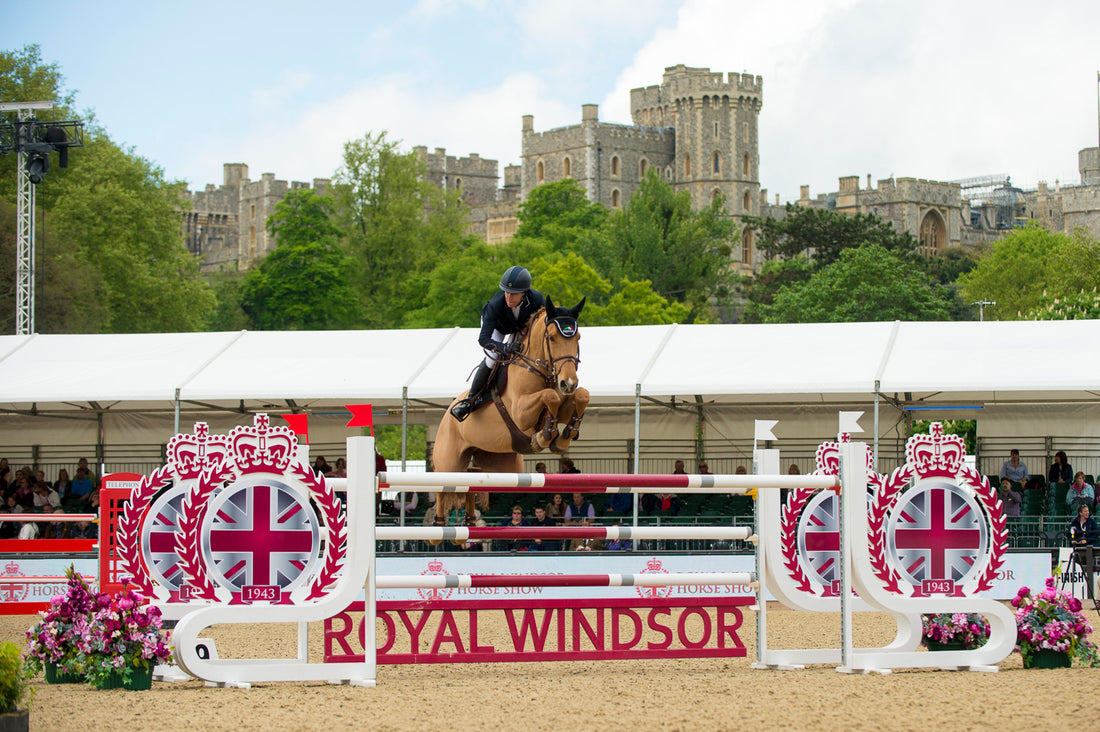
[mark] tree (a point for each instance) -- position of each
(822, 235)
(457, 289)
(1073, 306)
(869, 283)
(1027, 262)
(559, 213)
(398, 226)
(303, 283)
(684, 253)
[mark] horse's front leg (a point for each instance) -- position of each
(569, 417)
(539, 412)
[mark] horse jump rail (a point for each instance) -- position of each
(601, 483)
(610, 533)
(432, 581)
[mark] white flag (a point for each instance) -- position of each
(763, 429)
(849, 422)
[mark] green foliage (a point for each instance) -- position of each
(228, 314)
(13, 678)
(569, 278)
(823, 235)
(559, 213)
(457, 289)
(1020, 267)
(965, 428)
(869, 283)
(303, 284)
(388, 441)
(398, 227)
(636, 303)
(1073, 306)
(684, 253)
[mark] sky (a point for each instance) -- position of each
(936, 89)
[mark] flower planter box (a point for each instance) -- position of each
(56, 676)
(1045, 658)
(140, 680)
(17, 721)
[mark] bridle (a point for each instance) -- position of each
(546, 369)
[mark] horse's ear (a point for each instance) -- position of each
(576, 311)
(550, 309)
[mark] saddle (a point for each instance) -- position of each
(521, 443)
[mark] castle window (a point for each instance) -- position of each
(642, 168)
(933, 234)
(716, 196)
(252, 242)
(746, 201)
(645, 116)
(716, 129)
(745, 165)
(745, 131)
(687, 166)
(615, 166)
(746, 246)
(540, 173)
(458, 185)
(252, 211)
(615, 198)
(660, 115)
(717, 163)
(567, 167)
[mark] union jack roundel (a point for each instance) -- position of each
(819, 538)
(937, 531)
(260, 532)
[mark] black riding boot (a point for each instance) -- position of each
(462, 410)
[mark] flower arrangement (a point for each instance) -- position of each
(53, 640)
(969, 630)
(124, 635)
(1052, 620)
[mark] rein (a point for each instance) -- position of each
(547, 369)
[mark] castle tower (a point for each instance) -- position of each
(715, 117)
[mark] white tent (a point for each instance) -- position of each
(132, 389)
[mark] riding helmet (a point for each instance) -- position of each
(516, 280)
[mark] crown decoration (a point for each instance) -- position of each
(435, 566)
(654, 565)
(189, 454)
(262, 448)
(828, 457)
(11, 567)
(935, 454)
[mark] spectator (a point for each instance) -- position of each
(321, 466)
(540, 467)
(340, 471)
(1080, 493)
(555, 509)
(84, 530)
(1013, 469)
(703, 469)
(620, 503)
(83, 463)
(1083, 530)
(9, 529)
(678, 468)
(543, 519)
(586, 545)
(82, 486)
(618, 545)
(5, 474)
(474, 544)
(567, 466)
(44, 495)
(63, 485)
(514, 545)
(23, 492)
(667, 504)
(1060, 471)
(52, 529)
(793, 470)
(740, 470)
(580, 512)
(29, 530)
(1010, 497)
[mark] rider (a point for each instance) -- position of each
(506, 313)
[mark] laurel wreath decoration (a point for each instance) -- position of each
(187, 540)
(336, 525)
(884, 499)
(788, 536)
(998, 521)
(129, 529)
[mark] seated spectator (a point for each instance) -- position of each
(666, 504)
(544, 545)
(83, 463)
(340, 471)
(9, 529)
(793, 470)
(618, 545)
(52, 529)
(482, 545)
(586, 545)
(412, 500)
(44, 495)
(1010, 497)
(29, 530)
(678, 468)
(63, 485)
(1080, 493)
(321, 466)
(1060, 471)
(82, 484)
(5, 474)
(540, 467)
(555, 509)
(703, 469)
(23, 492)
(84, 530)
(1013, 469)
(619, 503)
(1083, 530)
(567, 466)
(580, 512)
(514, 545)
(740, 470)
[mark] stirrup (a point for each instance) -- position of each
(462, 410)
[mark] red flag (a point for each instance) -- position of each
(361, 416)
(299, 425)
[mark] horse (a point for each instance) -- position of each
(542, 398)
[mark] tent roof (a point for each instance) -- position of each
(936, 363)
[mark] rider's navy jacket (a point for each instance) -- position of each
(496, 315)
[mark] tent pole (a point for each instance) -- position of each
(404, 452)
(874, 455)
(637, 443)
(176, 423)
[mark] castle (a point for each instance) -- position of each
(699, 129)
